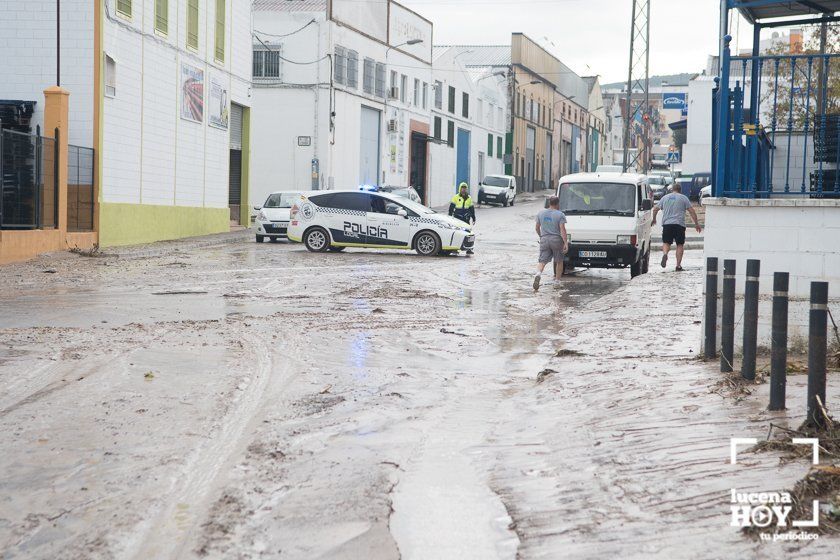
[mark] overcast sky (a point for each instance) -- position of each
(591, 36)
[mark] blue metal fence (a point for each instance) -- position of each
(776, 126)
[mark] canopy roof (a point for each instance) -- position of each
(754, 10)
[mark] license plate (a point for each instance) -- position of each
(593, 254)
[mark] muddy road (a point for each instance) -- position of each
(258, 401)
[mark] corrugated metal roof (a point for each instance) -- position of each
(479, 55)
(787, 8)
(290, 5)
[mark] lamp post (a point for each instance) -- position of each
(388, 50)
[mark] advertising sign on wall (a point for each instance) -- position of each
(368, 16)
(218, 112)
(673, 101)
(192, 93)
(405, 25)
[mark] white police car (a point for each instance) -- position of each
(334, 220)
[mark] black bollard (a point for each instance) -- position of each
(750, 319)
(778, 352)
(727, 326)
(710, 341)
(818, 324)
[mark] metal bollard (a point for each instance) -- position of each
(750, 319)
(778, 352)
(818, 324)
(710, 342)
(727, 326)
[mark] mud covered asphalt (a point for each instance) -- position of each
(259, 401)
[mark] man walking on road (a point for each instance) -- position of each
(673, 206)
(462, 208)
(554, 243)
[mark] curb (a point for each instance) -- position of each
(162, 247)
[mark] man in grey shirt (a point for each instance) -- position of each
(673, 207)
(554, 243)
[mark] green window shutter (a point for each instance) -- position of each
(124, 7)
(162, 16)
(192, 24)
(489, 145)
(499, 147)
(220, 30)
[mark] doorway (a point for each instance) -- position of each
(419, 152)
(530, 157)
(235, 167)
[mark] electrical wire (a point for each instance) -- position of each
(326, 56)
(286, 34)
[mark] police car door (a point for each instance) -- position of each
(347, 217)
(386, 227)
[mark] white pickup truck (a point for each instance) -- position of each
(609, 220)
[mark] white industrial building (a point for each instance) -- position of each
(160, 89)
(469, 121)
(343, 90)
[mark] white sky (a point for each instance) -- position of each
(591, 36)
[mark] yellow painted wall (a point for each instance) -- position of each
(129, 224)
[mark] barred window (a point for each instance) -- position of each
(340, 72)
(352, 69)
(266, 64)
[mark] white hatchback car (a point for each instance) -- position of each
(273, 216)
(334, 220)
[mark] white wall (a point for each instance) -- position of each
(28, 52)
(152, 155)
(786, 235)
(697, 151)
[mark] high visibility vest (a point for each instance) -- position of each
(462, 203)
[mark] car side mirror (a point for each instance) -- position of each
(402, 213)
(257, 208)
(647, 204)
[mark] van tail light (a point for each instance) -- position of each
(293, 212)
(633, 240)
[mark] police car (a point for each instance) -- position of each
(334, 220)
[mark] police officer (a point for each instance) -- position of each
(462, 208)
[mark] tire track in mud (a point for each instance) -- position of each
(167, 532)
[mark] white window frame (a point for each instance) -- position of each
(110, 77)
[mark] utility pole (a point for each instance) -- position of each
(638, 80)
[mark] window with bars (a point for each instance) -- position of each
(124, 7)
(340, 65)
(352, 69)
(220, 30)
(438, 95)
(192, 24)
(380, 79)
(162, 16)
(367, 75)
(266, 64)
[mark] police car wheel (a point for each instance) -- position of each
(317, 240)
(427, 244)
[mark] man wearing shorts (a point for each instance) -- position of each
(554, 243)
(673, 206)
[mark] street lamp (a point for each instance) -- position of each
(388, 50)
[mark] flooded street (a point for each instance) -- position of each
(241, 400)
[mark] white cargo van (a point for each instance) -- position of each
(499, 189)
(609, 220)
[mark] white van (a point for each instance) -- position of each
(500, 189)
(609, 220)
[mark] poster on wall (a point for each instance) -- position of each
(217, 110)
(192, 93)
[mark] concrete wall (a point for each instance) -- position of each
(786, 235)
(28, 52)
(152, 155)
(697, 151)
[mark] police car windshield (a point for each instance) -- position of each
(496, 181)
(281, 200)
(414, 206)
(611, 199)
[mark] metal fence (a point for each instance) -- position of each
(80, 188)
(779, 134)
(28, 170)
